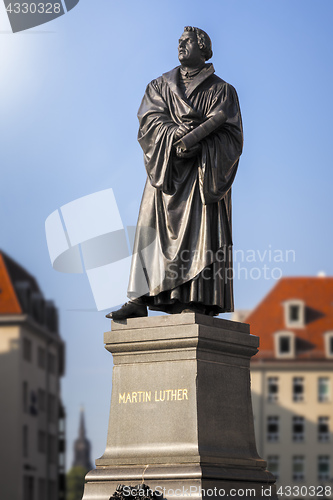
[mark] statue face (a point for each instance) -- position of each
(189, 53)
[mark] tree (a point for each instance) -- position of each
(75, 483)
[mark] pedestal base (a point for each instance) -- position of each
(181, 414)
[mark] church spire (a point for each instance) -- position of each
(82, 446)
(82, 427)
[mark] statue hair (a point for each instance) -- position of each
(204, 42)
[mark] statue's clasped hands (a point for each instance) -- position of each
(182, 130)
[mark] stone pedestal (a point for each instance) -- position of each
(181, 414)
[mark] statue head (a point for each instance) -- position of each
(195, 47)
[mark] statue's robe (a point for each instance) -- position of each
(183, 244)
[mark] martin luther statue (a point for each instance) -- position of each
(191, 136)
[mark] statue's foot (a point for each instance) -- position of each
(196, 308)
(200, 309)
(128, 310)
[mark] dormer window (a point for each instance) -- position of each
(38, 307)
(284, 344)
(329, 344)
(294, 313)
(23, 290)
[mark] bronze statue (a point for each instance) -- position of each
(191, 135)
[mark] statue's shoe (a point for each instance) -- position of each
(194, 307)
(200, 310)
(128, 310)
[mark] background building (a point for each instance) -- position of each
(81, 463)
(292, 381)
(82, 446)
(32, 431)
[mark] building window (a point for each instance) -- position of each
(273, 465)
(272, 428)
(51, 316)
(38, 307)
(52, 449)
(41, 358)
(62, 418)
(323, 429)
(62, 456)
(27, 349)
(33, 403)
(294, 313)
(284, 344)
(41, 442)
(41, 489)
(298, 467)
(25, 443)
(23, 290)
(323, 468)
(298, 389)
(273, 389)
(51, 363)
(52, 493)
(329, 344)
(28, 488)
(323, 389)
(52, 408)
(25, 397)
(41, 400)
(298, 428)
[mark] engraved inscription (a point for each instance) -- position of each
(135, 397)
(171, 395)
(149, 396)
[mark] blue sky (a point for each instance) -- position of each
(69, 94)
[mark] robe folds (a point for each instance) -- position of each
(183, 244)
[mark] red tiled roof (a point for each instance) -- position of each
(9, 303)
(12, 273)
(268, 317)
(20, 294)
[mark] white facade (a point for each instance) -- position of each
(30, 370)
